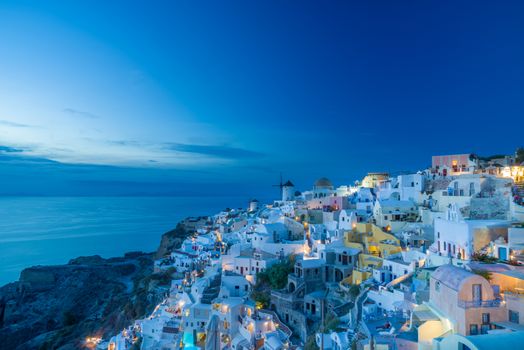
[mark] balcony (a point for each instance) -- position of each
(514, 294)
(468, 304)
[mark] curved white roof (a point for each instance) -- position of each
(513, 340)
(452, 276)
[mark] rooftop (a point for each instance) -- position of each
(452, 276)
(512, 340)
(323, 182)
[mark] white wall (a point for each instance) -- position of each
(385, 299)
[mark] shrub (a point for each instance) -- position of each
(482, 257)
(483, 273)
(70, 318)
(354, 291)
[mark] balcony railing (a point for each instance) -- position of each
(467, 304)
(513, 294)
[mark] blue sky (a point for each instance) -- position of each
(179, 96)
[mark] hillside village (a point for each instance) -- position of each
(427, 260)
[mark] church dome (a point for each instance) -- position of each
(323, 183)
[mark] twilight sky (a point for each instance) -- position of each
(184, 97)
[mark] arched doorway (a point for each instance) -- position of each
(338, 275)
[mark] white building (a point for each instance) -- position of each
(394, 213)
(459, 238)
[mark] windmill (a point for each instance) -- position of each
(286, 189)
(281, 185)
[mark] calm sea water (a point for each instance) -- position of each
(52, 230)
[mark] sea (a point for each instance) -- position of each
(53, 230)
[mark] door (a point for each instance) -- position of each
(503, 255)
(477, 293)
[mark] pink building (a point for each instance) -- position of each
(454, 163)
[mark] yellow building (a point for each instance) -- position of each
(374, 241)
(373, 179)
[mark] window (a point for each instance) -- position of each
(473, 329)
(463, 347)
(485, 318)
(513, 316)
(437, 286)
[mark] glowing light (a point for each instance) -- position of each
(92, 342)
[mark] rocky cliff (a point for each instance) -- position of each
(56, 307)
(172, 240)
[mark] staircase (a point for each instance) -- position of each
(281, 325)
(520, 188)
(212, 291)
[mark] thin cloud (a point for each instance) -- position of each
(77, 113)
(13, 124)
(7, 149)
(125, 142)
(219, 151)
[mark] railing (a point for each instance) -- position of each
(514, 294)
(282, 326)
(466, 304)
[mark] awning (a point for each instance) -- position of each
(510, 325)
(425, 315)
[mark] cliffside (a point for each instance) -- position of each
(56, 307)
(172, 240)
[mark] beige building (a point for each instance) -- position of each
(461, 302)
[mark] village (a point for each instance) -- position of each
(424, 260)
